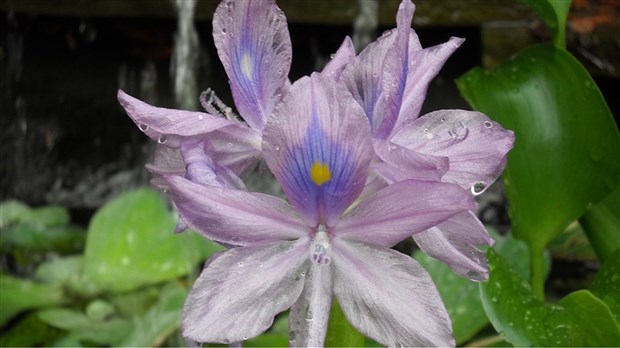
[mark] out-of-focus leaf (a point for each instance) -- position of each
(67, 272)
(572, 244)
(131, 243)
(63, 318)
(602, 225)
(459, 295)
(526, 321)
(340, 333)
(566, 150)
(606, 285)
(17, 295)
(98, 310)
(84, 330)
(137, 302)
(554, 13)
(47, 216)
(29, 332)
(12, 211)
(152, 328)
(37, 237)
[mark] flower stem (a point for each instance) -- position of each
(339, 332)
(537, 275)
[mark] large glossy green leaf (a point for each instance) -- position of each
(131, 243)
(526, 321)
(554, 13)
(606, 285)
(566, 153)
(17, 295)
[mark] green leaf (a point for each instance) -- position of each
(606, 285)
(152, 328)
(29, 332)
(99, 310)
(526, 321)
(602, 225)
(459, 295)
(566, 149)
(554, 13)
(340, 333)
(38, 237)
(11, 212)
(82, 329)
(20, 294)
(67, 272)
(594, 319)
(135, 303)
(131, 244)
(572, 244)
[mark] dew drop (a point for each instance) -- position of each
(162, 139)
(224, 31)
(229, 144)
(277, 147)
(429, 136)
(331, 56)
(200, 117)
(143, 127)
(303, 274)
(260, 265)
(488, 124)
(245, 338)
(425, 130)
(443, 120)
(478, 187)
(240, 264)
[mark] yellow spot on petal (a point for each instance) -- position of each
(246, 66)
(319, 173)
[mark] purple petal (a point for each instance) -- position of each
(318, 144)
(400, 163)
(254, 46)
(389, 297)
(169, 126)
(234, 216)
(203, 170)
(456, 242)
(425, 64)
(395, 70)
(475, 145)
(238, 294)
(401, 210)
(310, 314)
(343, 57)
(235, 148)
(364, 78)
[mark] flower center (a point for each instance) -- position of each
(320, 249)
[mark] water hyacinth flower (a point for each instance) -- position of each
(324, 243)
(256, 53)
(389, 79)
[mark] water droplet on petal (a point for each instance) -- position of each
(303, 274)
(200, 117)
(425, 130)
(162, 139)
(229, 144)
(240, 264)
(143, 127)
(488, 124)
(429, 136)
(245, 338)
(443, 120)
(224, 31)
(478, 187)
(260, 265)
(331, 56)
(276, 147)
